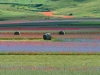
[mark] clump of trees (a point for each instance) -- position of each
(2, 19)
(37, 6)
(80, 0)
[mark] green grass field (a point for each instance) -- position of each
(7, 12)
(27, 10)
(23, 2)
(49, 64)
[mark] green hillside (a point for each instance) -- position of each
(23, 1)
(29, 9)
(86, 8)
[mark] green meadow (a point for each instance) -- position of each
(49, 64)
(29, 9)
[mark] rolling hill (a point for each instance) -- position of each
(29, 9)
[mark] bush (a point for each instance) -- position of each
(70, 14)
(38, 5)
(13, 5)
(2, 19)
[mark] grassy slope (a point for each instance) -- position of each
(23, 1)
(79, 8)
(12, 13)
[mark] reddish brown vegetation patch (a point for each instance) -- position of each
(51, 14)
(68, 17)
(47, 13)
(40, 35)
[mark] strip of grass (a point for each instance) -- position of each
(50, 60)
(49, 53)
(20, 38)
(47, 72)
(83, 31)
(90, 22)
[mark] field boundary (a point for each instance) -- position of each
(49, 53)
